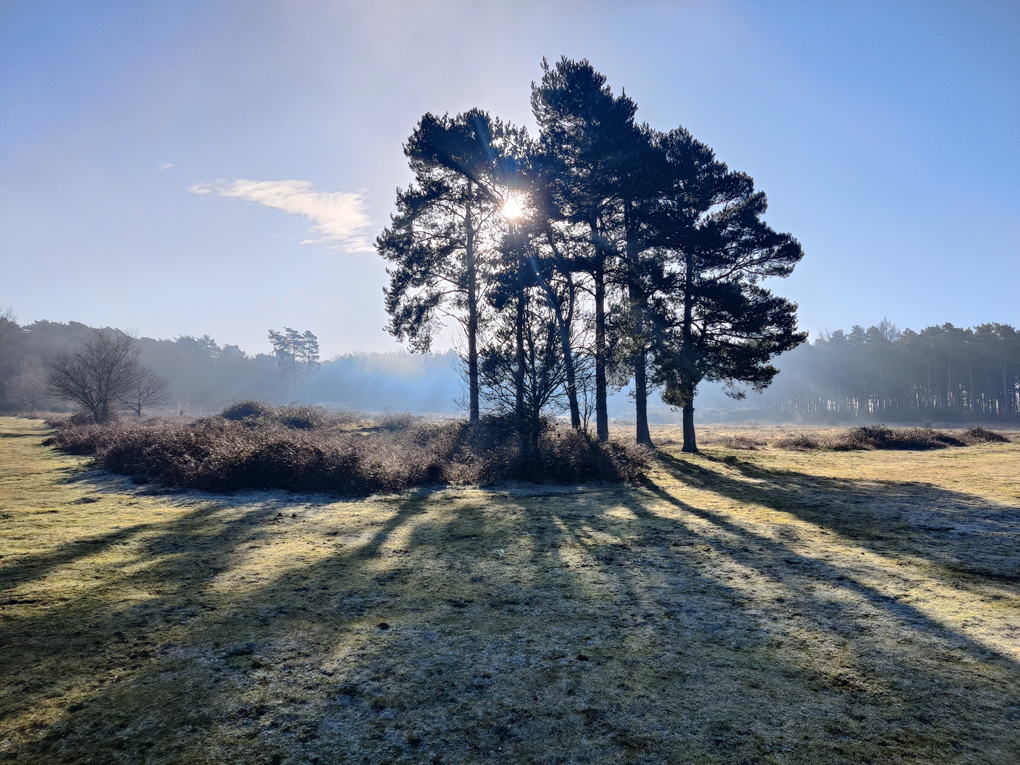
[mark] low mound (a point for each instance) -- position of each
(881, 437)
(980, 435)
(274, 448)
(800, 441)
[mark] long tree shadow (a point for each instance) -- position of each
(573, 627)
(776, 561)
(960, 532)
(37, 566)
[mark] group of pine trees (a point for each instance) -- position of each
(600, 252)
(297, 353)
(942, 373)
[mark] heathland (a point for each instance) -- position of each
(750, 604)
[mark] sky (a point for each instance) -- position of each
(223, 168)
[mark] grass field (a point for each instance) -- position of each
(742, 606)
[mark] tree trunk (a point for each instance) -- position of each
(1006, 403)
(536, 431)
(970, 392)
(690, 444)
(690, 383)
(636, 299)
(643, 435)
(950, 398)
(927, 392)
(563, 326)
(568, 361)
(472, 325)
(519, 342)
(599, 276)
(601, 404)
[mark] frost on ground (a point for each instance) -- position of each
(743, 606)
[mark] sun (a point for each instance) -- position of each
(512, 209)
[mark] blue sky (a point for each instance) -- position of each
(144, 146)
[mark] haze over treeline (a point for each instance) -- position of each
(942, 373)
(204, 376)
(880, 373)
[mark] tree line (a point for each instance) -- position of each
(598, 253)
(45, 365)
(943, 373)
(204, 376)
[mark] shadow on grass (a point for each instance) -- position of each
(776, 561)
(573, 627)
(960, 532)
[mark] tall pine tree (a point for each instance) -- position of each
(585, 132)
(447, 229)
(723, 325)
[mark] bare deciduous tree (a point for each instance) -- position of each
(149, 389)
(28, 388)
(99, 376)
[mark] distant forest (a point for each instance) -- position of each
(944, 374)
(204, 376)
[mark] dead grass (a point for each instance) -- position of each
(766, 606)
(733, 441)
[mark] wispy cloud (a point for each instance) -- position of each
(339, 216)
(166, 165)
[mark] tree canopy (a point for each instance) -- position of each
(446, 232)
(601, 252)
(719, 323)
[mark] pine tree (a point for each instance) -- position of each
(447, 228)
(723, 324)
(585, 132)
(644, 179)
(297, 353)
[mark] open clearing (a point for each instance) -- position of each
(744, 606)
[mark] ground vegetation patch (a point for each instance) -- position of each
(738, 606)
(253, 445)
(868, 437)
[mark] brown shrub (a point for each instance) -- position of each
(260, 450)
(242, 410)
(980, 435)
(800, 441)
(741, 442)
(77, 438)
(881, 437)
(395, 420)
(259, 413)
